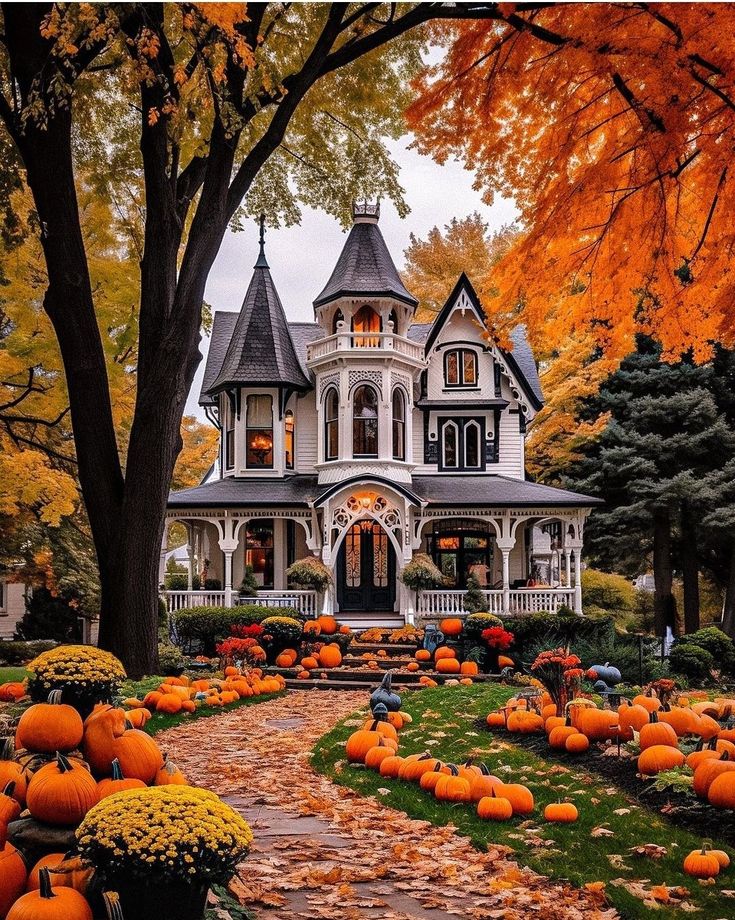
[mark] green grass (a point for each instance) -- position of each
(8, 674)
(443, 725)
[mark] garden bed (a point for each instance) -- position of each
(598, 848)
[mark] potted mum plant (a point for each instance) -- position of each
(420, 574)
(162, 847)
(84, 674)
(309, 573)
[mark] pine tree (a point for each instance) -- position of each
(474, 599)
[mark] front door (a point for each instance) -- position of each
(366, 569)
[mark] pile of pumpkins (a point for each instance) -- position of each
(659, 729)
(56, 769)
(375, 745)
(445, 662)
(328, 656)
(180, 694)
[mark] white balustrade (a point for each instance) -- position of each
(522, 600)
(370, 341)
(183, 600)
(304, 601)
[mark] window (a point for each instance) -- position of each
(462, 444)
(259, 432)
(393, 318)
(366, 320)
(331, 425)
(289, 438)
(459, 552)
(259, 551)
(229, 433)
(460, 368)
(339, 317)
(399, 425)
(365, 422)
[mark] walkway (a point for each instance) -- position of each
(323, 852)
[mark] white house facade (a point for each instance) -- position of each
(365, 437)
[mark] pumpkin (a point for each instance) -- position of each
(377, 754)
(722, 858)
(45, 728)
(494, 808)
(64, 872)
(702, 863)
(117, 782)
(559, 735)
(385, 728)
(597, 724)
(519, 796)
(605, 672)
(683, 721)
(428, 682)
(62, 792)
(330, 656)
(360, 742)
(9, 811)
(345, 629)
(452, 626)
(12, 772)
(576, 743)
(659, 757)
(526, 723)
(553, 722)
(721, 792)
(284, 661)
(469, 668)
(169, 703)
(405, 716)
(708, 727)
(708, 771)
(169, 774)
(649, 703)
(422, 654)
(451, 787)
(12, 691)
(151, 699)
(327, 625)
(13, 874)
(412, 771)
(505, 662)
(390, 765)
(138, 717)
(106, 737)
(429, 780)
(303, 675)
(655, 732)
(413, 666)
(561, 813)
(132, 702)
(385, 695)
(444, 652)
(310, 663)
(47, 903)
(395, 719)
(448, 666)
(483, 784)
(631, 717)
(698, 757)
(497, 719)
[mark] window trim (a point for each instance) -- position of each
(461, 425)
(472, 424)
(396, 421)
(371, 456)
(443, 465)
(462, 384)
(331, 421)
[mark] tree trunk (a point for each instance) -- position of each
(728, 614)
(690, 570)
(664, 604)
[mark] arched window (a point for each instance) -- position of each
(289, 432)
(259, 432)
(399, 425)
(339, 317)
(331, 425)
(365, 422)
(472, 445)
(460, 368)
(393, 317)
(366, 320)
(450, 453)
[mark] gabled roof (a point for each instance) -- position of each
(260, 351)
(520, 358)
(365, 267)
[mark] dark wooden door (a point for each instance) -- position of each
(366, 569)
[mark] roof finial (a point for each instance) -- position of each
(366, 211)
(262, 261)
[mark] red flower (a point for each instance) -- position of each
(235, 648)
(247, 632)
(498, 638)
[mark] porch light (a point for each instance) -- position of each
(261, 444)
(365, 501)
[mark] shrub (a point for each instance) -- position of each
(622, 652)
(474, 601)
(610, 592)
(716, 642)
(420, 574)
(538, 631)
(50, 616)
(476, 623)
(170, 659)
(691, 661)
(176, 581)
(206, 624)
(249, 584)
(17, 652)
(309, 573)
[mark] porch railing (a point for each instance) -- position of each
(521, 600)
(304, 601)
(341, 341)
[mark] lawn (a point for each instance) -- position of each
(598, 848)
(9, 674)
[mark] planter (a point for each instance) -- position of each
(159, 899)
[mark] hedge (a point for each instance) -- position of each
(17, 652)
(552, 629)
(206, 624)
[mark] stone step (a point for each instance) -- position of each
(340, 676)
(385, 663)
(390, 647)
(293, 684)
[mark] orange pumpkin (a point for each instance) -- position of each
(12, 691)
(330, 656)
(107, 737)
(360, 742)
(116, 783)
(422, 654)
(169, 703)
(390, 765)
(310, 663)
(469, 668)
(655, 732)
(169, 775)
(577, 743)
(413, 666)
(13, 875)
(452, 626)
(328, 625)
(284, 661)
(505, 662)
(65, 873)
(447, 666)
(49, 727)
(62, 792)
(497, 719)
(659, 757)
(519, 796)
(47, 903)
(377, 754)
(444, 652)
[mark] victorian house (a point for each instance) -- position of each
(365, 437)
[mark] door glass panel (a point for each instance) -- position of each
(380, 557)
(353, 542)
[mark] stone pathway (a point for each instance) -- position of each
(323, 852)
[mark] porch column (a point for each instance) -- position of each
(228, 576)
(578, 580)
(505, 545)
(190, 553)
(279, 554)
(328, 604)
(568, 566)
(162, 560)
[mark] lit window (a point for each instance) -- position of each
(259, 432)
(366, 320)
(331, 425)
(289, 439)
(365, 422)
(460, 368)
(399, 425)
(229, 433)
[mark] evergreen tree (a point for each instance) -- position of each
(666, 437)
(474, 600)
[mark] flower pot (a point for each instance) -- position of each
(159, 899)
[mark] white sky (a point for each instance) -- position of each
(302, 257)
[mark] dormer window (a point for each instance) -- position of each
(460, 368)
(289, 431)
(259, 432)
(366, 320)
(331, 425)
(462, 442)
(365, 422)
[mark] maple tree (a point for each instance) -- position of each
(206, 109)
(608, 124)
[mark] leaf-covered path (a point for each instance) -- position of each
(322, 851)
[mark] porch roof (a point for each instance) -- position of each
(234, 493)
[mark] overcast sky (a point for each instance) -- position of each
(301, 258)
